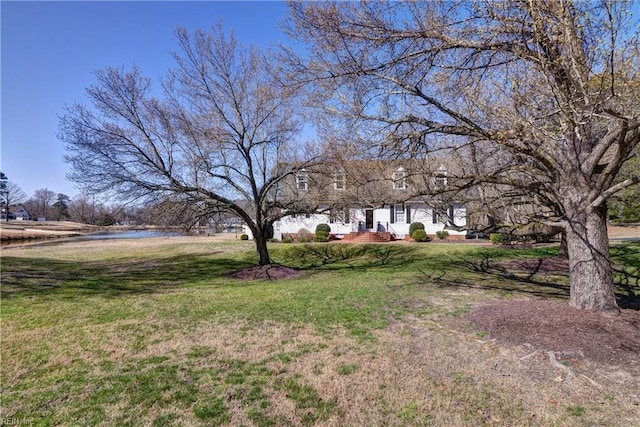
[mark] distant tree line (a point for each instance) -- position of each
(89, 209)
(85, 209)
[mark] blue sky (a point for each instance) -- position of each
(50, 50)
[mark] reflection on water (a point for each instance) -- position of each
(130, 234)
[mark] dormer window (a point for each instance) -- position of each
(440, 180)
(340, 181)
(399, 178)
(302, 180)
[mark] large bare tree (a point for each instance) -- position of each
(39, 204)
(221, 136)
(539, 98)
(11, 194)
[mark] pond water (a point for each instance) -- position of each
(128, 234)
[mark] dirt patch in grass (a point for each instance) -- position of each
(556, 327)
(549, 265)
(624, 231)
(266, 272)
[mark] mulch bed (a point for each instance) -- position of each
(554, 326)
(266, 272)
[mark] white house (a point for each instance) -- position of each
(22, 215)
(373, 201)
(393, 219)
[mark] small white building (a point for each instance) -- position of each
(22, 215)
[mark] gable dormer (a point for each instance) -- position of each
(440, 179)
(399, 178)
(340, 180)
(302, 180)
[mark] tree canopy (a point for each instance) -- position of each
(220, 134)
(538, 100)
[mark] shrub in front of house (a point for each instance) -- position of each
(287, 240)
(323, 227)
(542, 238)
(321, 236)
(501, 238)
(304, 235)
(420, 235)
(415, 226)
(442, 234)
(244, 237)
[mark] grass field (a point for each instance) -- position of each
(152, 332)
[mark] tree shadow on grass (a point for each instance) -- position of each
(32, 277)
(490, 274)
(43, 276)
(543, 275)
(336, 256)
(626, 257)
(508, 284)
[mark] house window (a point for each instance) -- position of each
(453, 211)
(302, 180)
(339, 215)
(400, 217)
(440, 180)
(399, 178)
(398, 214)
(340, 181)
(444, 216)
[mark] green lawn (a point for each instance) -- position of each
(153, 332)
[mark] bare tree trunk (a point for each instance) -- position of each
(261, 247)
(563, 250)
(591, 273)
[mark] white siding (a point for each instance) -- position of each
(381, 220)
